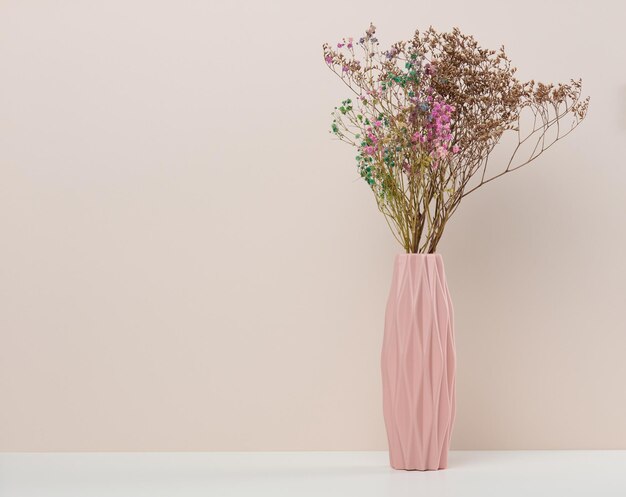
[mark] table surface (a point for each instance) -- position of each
(303, 474)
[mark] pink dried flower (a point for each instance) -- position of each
(369, 150)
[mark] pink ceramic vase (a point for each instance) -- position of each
(418, 364)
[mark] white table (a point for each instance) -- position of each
(303, 474)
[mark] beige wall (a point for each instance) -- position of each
(188, 261)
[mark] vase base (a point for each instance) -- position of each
(401, 468)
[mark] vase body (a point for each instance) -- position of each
(418, 364)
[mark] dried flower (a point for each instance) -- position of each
(429, 112)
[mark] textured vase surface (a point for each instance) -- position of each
(418, 364)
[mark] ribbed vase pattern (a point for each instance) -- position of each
(418, 364)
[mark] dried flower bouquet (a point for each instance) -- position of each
(426, 115)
